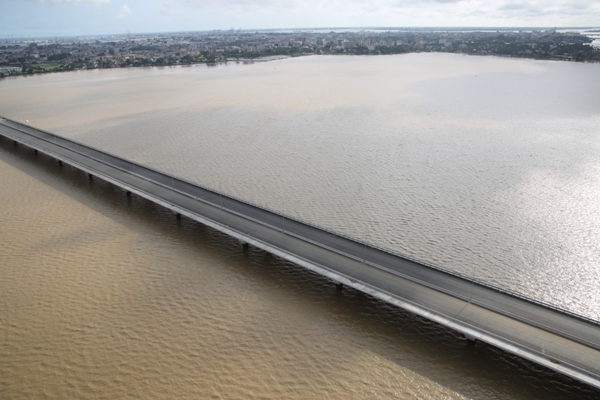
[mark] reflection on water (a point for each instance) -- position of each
(107, 296)
(483, 165)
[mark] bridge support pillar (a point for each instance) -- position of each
(245, 246)
(128, 193)
(177, 215)
(90, 177)
(471, 340)
(60, 163)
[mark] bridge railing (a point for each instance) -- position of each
(359, 250)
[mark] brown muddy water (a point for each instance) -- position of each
(104, 296)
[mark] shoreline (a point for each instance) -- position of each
(264, 59)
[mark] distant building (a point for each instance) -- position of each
(10, 70)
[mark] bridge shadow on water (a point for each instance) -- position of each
(358, 321)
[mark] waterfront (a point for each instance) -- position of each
(52, 55)
(268, 132)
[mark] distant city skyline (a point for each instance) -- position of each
(46, 18)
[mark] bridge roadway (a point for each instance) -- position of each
(556, 339)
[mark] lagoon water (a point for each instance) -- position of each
(482, 165)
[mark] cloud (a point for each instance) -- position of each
(512, 6)
(177, 15)
(245, 4)
(124, 12)
(342, 7)
(97, 2)
(294, 4)
(311, 13)
(169, 9)
(556, 9)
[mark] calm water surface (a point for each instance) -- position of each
(482, 165)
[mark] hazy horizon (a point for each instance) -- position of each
(314, 29)
(67, 18)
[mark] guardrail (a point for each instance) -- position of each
(462, 286)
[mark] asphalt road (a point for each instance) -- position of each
(560, 341)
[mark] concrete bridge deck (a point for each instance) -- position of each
(564, 342)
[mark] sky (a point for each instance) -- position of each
(49, 18)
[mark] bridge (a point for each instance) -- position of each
(557, 339)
